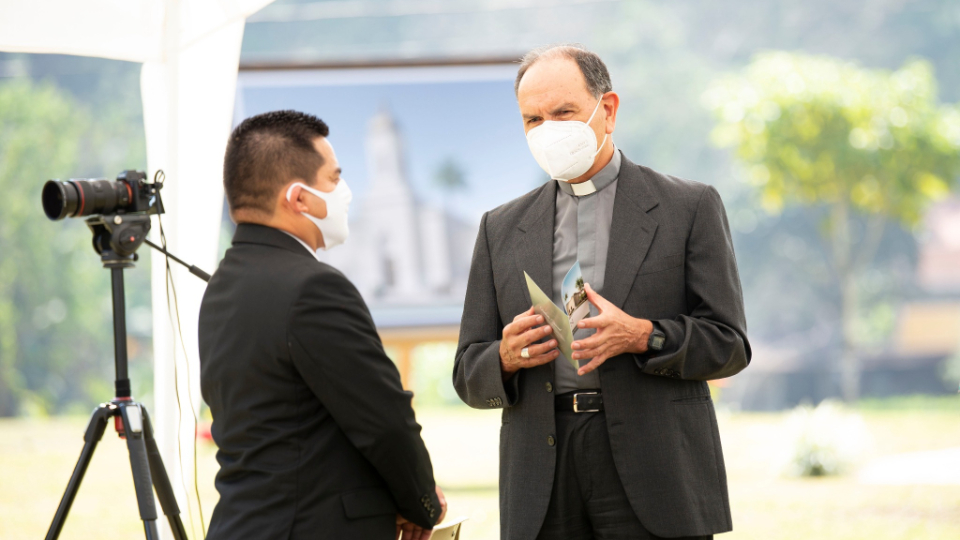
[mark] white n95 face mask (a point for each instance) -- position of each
(333, 227)
(565, 149)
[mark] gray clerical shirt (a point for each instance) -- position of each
(581, 231)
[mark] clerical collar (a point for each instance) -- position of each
(602, 179)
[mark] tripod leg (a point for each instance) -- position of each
(95, 429)
(139, 463)
(161, 481)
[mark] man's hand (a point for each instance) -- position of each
(443, 505)
(412, 531)
(617, 333)
(524, 331)
(407, 530)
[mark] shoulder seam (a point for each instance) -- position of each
(696, 213)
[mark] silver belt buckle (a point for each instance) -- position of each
(576, 407)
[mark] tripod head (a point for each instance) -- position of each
(117, 237)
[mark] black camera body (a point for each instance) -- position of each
(120, 210)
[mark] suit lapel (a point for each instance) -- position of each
(534, 252)
(631, 232)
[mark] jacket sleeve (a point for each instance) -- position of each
(476, 369)
(710, 341)
(335, 347)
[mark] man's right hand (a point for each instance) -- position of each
(526, 329)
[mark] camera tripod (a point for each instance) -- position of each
(116, 239)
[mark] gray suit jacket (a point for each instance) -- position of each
(670, 260)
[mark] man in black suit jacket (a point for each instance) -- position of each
(316, 436)
(626, 445)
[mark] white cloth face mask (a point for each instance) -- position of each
(565, 149)
(333, 227)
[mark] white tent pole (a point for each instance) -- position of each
(188, 111)
(159, 93)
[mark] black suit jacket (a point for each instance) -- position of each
(670, 260)
(316, 436)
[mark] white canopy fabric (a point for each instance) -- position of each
(190, 50)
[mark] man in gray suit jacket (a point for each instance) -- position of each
(626, 445)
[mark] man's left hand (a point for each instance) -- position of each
(617, 333)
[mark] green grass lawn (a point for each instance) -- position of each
(37, 456)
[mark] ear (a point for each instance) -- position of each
(611, 104)
(295, 200)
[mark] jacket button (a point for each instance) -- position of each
(549, 387)
(551, 441)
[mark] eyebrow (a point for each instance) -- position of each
(557, 110)
(561, 108)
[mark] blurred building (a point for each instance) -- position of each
(402, 251)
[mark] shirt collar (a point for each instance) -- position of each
(602, 179)
(304, 244)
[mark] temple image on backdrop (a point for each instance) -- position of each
(401, 250)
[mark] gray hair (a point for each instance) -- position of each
(593, 69)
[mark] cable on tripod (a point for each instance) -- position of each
(168, 279)
(175, 313)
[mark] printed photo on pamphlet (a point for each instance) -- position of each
(574, 296)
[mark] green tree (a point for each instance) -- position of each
(54, 322)
(873, 146)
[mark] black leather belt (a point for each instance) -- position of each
(580, 401)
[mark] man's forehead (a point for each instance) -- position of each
(551, 82)
(322, 144)
(325, 148)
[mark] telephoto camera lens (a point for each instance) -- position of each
(75, 198)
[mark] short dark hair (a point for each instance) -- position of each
(594, 70)
(267, 151)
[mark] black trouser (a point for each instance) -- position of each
(588, 501)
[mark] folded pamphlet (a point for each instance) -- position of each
(562, 321)
(449, 529)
